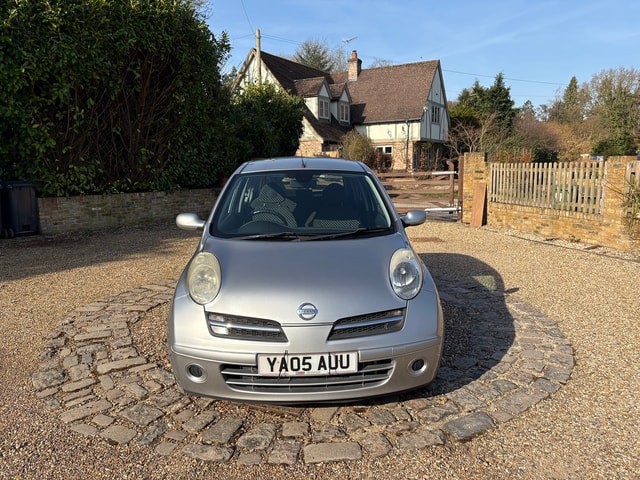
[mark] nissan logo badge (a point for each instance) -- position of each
(307, 311)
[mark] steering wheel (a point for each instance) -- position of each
(280, 218)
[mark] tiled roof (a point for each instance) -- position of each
(287, 72)
(336, 90)
(308, 87)
(330, 131)
(390, 94)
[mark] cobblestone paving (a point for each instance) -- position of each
(501, 357)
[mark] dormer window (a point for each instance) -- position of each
(323, 109)
(344, 113)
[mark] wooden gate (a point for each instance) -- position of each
(439, 191)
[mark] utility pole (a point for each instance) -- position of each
(258, 57)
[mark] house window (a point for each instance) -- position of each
(344, 113)
(387, 149)
(323, 109)
(435, 114)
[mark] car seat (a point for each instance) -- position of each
(272, 206)
(335, 210)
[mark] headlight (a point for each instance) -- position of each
(405, 274)
(203, 278)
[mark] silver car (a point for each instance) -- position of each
(304, 288)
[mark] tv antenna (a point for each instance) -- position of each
(346, 41)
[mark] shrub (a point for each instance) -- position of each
(107, 96)
(631, 204)
(358, 147)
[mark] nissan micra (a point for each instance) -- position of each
(304, 288)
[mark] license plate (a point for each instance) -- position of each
(293, 365)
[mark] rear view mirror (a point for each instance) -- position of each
(189, 221)
(414, 217)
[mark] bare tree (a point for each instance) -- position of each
(533, 133)
(380, 62)
(472, 136)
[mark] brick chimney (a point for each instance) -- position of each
(354, 65)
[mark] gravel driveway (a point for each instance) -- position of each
(587, 429)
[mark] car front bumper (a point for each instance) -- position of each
(381, 371)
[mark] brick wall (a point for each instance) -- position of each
(607, 229)
(309, 149)
(399, 155)
(92, 212)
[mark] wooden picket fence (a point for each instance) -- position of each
(570, 186)
(632, 178)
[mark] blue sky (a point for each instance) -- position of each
(538, 45)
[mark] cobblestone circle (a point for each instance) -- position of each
(501, 357)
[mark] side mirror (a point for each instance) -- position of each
(414, 217)
(189, 221)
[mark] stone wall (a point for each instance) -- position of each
(607, 229)
(93, 212)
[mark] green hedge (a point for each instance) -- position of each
(107, 96)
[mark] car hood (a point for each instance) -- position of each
(272, 279)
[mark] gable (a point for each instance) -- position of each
(437, 94)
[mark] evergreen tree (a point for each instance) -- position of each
(482, 119)
(571, 108)
(316, 54)
(497, 99)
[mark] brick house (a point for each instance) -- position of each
(401, 108)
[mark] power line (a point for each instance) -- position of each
(280, 39)
(271, 37)
(507, 78)
(246, 15)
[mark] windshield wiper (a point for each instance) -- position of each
(350, 234)
(305, 237)
(269, 236)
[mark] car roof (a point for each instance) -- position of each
(299, 163)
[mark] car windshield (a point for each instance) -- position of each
(301, 205)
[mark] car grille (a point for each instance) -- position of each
(366, 325)
(245, 378)
(244, 328)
